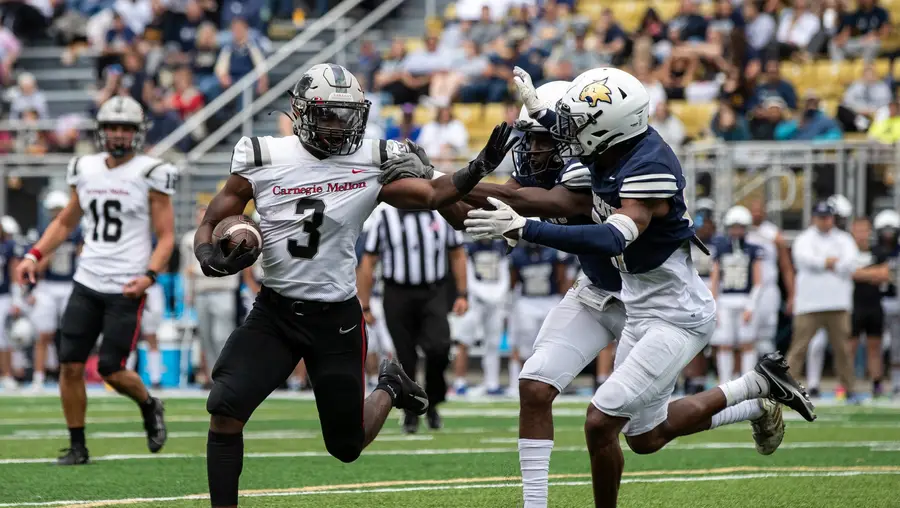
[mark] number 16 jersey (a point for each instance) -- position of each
(311, 211)
(116, 224)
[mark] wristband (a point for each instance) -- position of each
(152, 274)
(366, 309)
(34, 255)
(467, 178)
(462, 294)
(31, 257)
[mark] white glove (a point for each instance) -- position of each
(503, 223)
(527, 93)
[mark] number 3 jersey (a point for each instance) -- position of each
(311, 211)
(116, 224)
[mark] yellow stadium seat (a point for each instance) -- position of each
(629, 14)
(414, 44)
(829, 106)
(494, 114)
(667, 9)
(832, 78)
(590, 10)
(694, 116)
(423, 115)
(392, 112)
(883, 67)
(450, 11)
(468, 114)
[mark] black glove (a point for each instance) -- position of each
(487, 160)
(214, 262)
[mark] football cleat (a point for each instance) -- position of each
(410, 423)
(74, 456)
(407, 394)
(783, 388)
(434, 419)
(768, 429)
(155, 425)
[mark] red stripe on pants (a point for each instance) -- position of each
(137, 330)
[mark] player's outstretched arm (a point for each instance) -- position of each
(55, 234)
(231, 200)
(556, 202)
(456, 213)
(419, 194)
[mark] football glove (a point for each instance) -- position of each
(503, 223)
(527, 93)
(214, 262)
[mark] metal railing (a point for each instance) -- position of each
(249, 81)
(277, 91)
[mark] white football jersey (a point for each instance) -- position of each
(311, 212)
(764, 235)
(116, 221)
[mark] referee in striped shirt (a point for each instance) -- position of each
(418, 250)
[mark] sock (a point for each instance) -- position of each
(748, 361)
(460, 383)
(76, 436)
(725, 365)
(491, 364)
(224, 462)
(147, 407)
(749, 386)
(534, 459)
(815, 360)
(154, 367)
(747, 410)
(37, 379)
(515, 368)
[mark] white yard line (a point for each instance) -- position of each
(875, 445)
(248, 436)
(463, 484)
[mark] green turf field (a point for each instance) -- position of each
(849, 458)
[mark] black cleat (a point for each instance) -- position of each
(783, 388)
(410, 423)
(406, 393)
(74, 456)
(155, 425)
(434, 419)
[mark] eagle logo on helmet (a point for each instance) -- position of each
(596, 92)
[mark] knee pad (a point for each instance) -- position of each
(612, 398)
(107, 366)
(219, 403)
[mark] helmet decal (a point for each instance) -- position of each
(596, 92)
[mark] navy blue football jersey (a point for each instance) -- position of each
(649, 171)
(889, 289)
(536, 268)
(487, 258)
(576, 177)
(9, 251)
(735, 259)
(65, 258)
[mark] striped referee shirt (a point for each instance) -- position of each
(412, 245)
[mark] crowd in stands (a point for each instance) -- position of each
(735, 70)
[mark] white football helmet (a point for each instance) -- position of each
(536, 152)
(330, 110)
(738, 216)
(602, 108)
(117, 112)
(841, 205)
(886, 219)
(10, 226)
(21, 333)
(55, 200)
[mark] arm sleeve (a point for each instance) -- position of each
(162, 177)
(589, 239)
(72, 171)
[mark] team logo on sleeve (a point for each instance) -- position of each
(596, 92)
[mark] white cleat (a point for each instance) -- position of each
(768, 429)
(9, 384)
(36, 388)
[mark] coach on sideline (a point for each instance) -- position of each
(825, 258)
(417, 250)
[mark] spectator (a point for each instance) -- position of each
(771, 84)
(180, 35)
(887, 131)
(862, 99)
(30, 139)
(184, 98)
(676, 73)
(420, 66)
(493, 85)
(739, 55)
(728, 125)
(407, 128)
(860, 33)
(135, 79)
(162, 122)
(454, 35)
(444, 138)
(725, 18)
(119, 39)
(736, 91)
(796, 29)
(203, 59)
(67, 132)
(580, 56)
(136, 14)
(466, 66)
(511, 112)
(825, 258)
(810, 125)
(766, 118)
(255, 13)
(369, 61)
(653, 29)
(9, 54)
(641, 69)
(687, 25)
(760, 27)
(485, 30)
(668, 125)
(27, 97)
(391, 78)
(610, 42)
(240, 57)
(550, 28)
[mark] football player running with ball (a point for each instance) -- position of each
(313, 192)
(124, 196)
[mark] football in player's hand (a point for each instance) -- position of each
(237, 229)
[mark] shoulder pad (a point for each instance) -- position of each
(72, 171)
(248, 153)
(575, 176)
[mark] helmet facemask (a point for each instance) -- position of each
(568, 128)
(537, 155)
(121, 139)
(331, 127)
